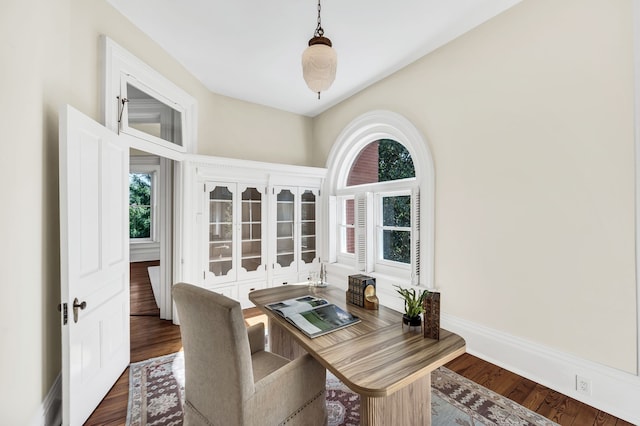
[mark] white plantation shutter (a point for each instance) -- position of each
(363, 206)
(334, 237)
(415, 236)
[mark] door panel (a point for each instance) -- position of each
(82, 168)
(94, 262)
(117, 217)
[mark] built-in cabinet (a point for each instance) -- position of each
(296, 213)
(255, 230)
(234, 230)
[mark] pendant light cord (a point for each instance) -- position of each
(319, 31)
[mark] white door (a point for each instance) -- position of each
(94, 262)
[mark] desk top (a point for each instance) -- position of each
(374, 357)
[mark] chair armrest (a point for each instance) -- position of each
(256, 337)
(288, 390)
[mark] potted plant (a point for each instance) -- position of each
(413, 305)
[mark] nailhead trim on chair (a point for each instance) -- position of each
(287, 420)
(299, 410)
(196, 412)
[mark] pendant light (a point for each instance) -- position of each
(319, 61)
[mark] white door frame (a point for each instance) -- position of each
(120, 65)
(167, 231)
(170, 228)
(636, 71)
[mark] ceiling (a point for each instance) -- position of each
(251, 50)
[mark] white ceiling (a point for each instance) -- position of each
(251, 50)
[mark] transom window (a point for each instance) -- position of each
(145, 116)
(150, 111)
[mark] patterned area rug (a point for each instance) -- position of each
(156, 393)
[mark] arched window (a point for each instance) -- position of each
(381, 177)
(381, 161)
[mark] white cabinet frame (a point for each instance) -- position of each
(297, 265)
(200, 170)
(231, 247)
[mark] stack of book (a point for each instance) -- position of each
(356, 289)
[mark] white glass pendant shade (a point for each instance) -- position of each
(319, 63)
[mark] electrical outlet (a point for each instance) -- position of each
(583, 385)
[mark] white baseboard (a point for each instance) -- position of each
(50, 412)
(613, 391)
(144, 252)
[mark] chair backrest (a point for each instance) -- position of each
(218, 370)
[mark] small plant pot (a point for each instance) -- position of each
(411, 322)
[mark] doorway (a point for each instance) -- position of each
(151, 202)
(145, 197)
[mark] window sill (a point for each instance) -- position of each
(137, 242)
(337, 274)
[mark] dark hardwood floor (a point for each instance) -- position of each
(544, 401)
(152, 337)
(141, 294)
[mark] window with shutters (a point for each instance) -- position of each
(380, 171)
(376, 210)
(347, 225)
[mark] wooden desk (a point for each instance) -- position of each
(390, 367)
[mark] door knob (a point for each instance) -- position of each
(77, 305)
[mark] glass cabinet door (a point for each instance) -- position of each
(296, 247)
(307, 226)
(251, 233)
(221, 241)
(285, 222)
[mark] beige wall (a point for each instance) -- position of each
(34, 78)
(227, 127)
(529, 118)
(530, 121)
(49, 51)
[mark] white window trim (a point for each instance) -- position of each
(120, 65)
(154, 172)
(376, 125)
(341, 226)
(146, 111)
(636, 74)
(383, 265)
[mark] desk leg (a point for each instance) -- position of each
(410, 405)
(281, 342)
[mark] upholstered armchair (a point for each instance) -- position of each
(230, 379)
